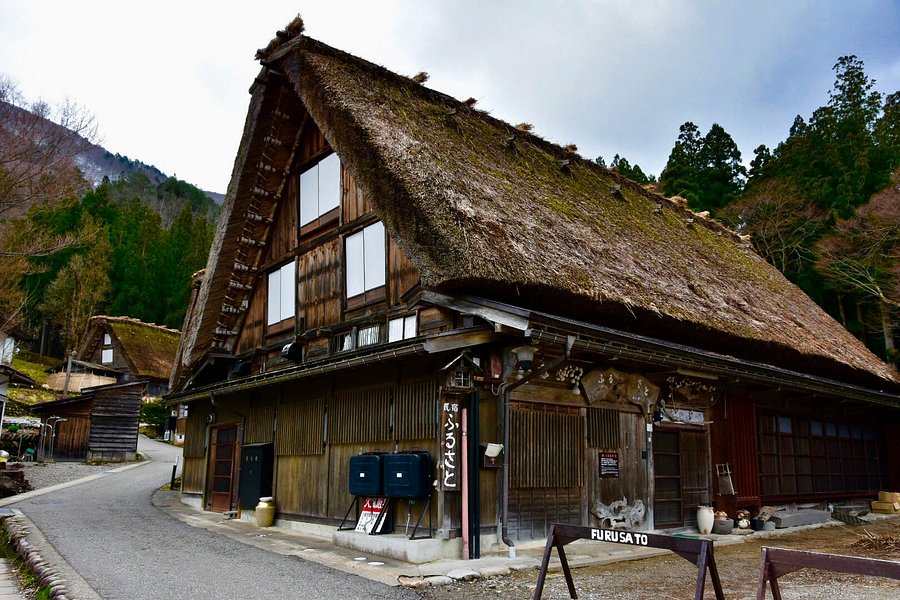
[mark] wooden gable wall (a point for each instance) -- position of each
(95, 354)
(317, 249)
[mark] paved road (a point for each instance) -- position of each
(127, 549)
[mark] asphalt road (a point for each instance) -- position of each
(125, 548)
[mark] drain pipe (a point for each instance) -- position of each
(465, 484)
(505, 389)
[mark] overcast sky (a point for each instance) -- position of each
(167, 81)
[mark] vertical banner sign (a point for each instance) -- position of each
(450, 453)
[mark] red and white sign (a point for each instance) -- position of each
(372, 509)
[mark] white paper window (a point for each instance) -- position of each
(365, 260)
(320, 189)
(107, 339)
(403, 328)
(367, 336)
(343, 342)
(106, 356)
(282, 294)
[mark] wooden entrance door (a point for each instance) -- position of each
(546, 468)
(222, 456)
(681, 477)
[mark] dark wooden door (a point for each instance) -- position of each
(681, 476)
(222, 459)
(667, 502)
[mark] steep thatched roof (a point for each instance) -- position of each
(148, 349)
(483, 207)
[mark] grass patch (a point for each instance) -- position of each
(27, 579)
(34, 366)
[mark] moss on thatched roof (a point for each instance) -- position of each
(149, 349)
(484, 207)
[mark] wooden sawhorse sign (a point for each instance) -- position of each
(780, 561)
(695, 550)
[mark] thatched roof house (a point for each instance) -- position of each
(482, 207)
(131, 347)
(391, 264)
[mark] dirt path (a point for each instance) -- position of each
(672, 577)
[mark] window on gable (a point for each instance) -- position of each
(282, 294)
(320, 189)
(107, 339)
(403, 328)
(365, 260)
(106, 356)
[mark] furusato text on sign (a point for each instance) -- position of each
(619, 537)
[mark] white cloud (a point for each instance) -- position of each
(168, 81)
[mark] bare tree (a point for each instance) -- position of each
(39, 144)
(782, 222)
(862, 257)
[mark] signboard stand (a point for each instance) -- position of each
(373, 517)
(697, 551)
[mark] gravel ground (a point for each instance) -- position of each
(41, 475)
(670, 576)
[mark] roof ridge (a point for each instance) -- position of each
(134, 321)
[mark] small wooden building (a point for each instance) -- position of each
(119, 350)
(393, 266)
(100, 424)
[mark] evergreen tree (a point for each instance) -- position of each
(633, 172)
(706, 171)
(721, 176)
(680, 176)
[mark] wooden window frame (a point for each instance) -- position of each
(836, 462)
(374, 294)
(283, 322)
(331, 215)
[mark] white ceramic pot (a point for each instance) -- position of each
(705, 519)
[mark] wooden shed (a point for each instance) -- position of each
(101, 424)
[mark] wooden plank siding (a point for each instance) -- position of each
(319, 285)
(546, 467)
(113, 434)
(745, 468)
(193, 475)
(260, 424)
(360, 416)
(403, 416)
(631, 484)
(283, 236)
(72, 438)
(603, 428)
(416, 411)
(546, 446)
(115, 420)
(299, 485)
(251, 334)
(402, 274)
(300, 427)
(354, 203)
(195, 432)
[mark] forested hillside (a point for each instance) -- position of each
(70, 249)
